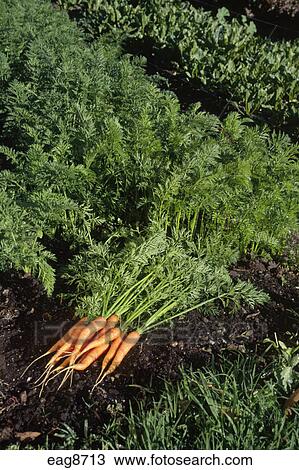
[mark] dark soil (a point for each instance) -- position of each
(161, 66)
(30, 323)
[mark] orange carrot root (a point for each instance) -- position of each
(69, 344)
(90, 357)
(86, 333)
(110, 335)
(64, 364)
(57, 372)
(127, 344)
(111, 353)
(83, 344)
(111, 323)
(58, 343)
(65, 349)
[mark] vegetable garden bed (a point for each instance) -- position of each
(118, 200)
(271, 10)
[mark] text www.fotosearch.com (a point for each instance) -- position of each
(192, 461)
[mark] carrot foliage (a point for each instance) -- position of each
(152, 204)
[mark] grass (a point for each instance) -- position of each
(234, 405)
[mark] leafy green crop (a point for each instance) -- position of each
(93, 151)
(226, 55)
(233, 191)
(152, 280)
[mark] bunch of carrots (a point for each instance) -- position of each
(150, 285)
(86, 342)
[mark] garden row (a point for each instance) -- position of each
(97, 158)
(225, 55)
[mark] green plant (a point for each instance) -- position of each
(148, 272)
(222, 192)
(68, 435)
(149, 283)
(95, 156)
(225, 55)
(20, 242)
(287, 362)
(82, 165)
(234, 407)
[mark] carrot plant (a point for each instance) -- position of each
(153, 281)
(89, 140)
(224, 195)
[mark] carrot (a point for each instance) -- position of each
(72, 330)
(64, 364)
(101, 344)
(89, 358)
(110, 335)
(60, 368)
(58, 343)
(73, 351)
(85, 362)
(111, 352)
(64, 350)
(48, 370)
(70, 340)
(87, 332)
(127, 344)
(67, 335)
(108, 357)
(112, 321)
